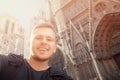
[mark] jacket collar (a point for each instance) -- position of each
(56, 72)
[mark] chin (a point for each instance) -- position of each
(43, 58)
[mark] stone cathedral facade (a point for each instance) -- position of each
(89, 37)
(11, 35)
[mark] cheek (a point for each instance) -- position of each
(34, 42)
(54, 47)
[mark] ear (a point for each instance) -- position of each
(55, 49)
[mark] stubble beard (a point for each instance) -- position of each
(37, 58)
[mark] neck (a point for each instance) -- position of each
(37, 64)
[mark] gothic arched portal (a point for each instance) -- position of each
(107, 44)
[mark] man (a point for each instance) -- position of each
(42, 45)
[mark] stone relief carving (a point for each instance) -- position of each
(100, 7)
(116, 6)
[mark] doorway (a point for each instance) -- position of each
(117, 60)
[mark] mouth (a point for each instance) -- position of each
(42, 49)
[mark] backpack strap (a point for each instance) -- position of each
(9, 69)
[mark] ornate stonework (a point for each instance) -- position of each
(83, 21)
(11, 36)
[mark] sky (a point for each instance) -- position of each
(22, 10)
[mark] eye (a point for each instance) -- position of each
(49, 39)
(38, 37)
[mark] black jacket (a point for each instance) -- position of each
(9, 65)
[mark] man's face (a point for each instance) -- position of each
(43, 43)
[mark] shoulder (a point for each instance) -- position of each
(3, 61)
(14, 58)
(55, 72)
(11, 59)
(9, 64)
(2, 57)
(11, 56)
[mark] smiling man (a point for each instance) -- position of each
(42, 45)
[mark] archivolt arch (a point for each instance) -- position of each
(107, 36)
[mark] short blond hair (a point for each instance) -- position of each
(45, 25)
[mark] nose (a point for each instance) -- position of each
(44, 41)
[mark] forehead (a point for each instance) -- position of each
(44, 25)
(44, 31)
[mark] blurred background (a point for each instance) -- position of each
(88, 34)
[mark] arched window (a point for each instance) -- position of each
(6, 26)
(12, 29)
(100, 7)
(78, 46)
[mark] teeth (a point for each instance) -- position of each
(42, 49)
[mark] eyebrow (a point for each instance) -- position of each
(48, 36)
